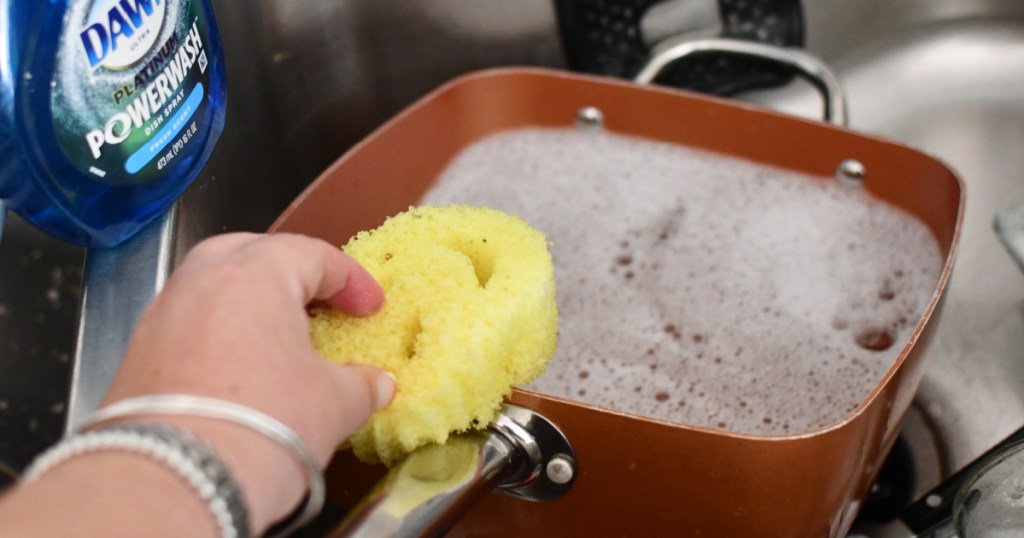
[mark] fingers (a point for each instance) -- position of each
(310, 268)
(316, 270)
(360, 295)
(364, 389)
(282, 273)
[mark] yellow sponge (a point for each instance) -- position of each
(470, 311)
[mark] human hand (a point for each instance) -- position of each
(231, 324)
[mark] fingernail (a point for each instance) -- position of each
(386, 386)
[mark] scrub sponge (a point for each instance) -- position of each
(470, 311)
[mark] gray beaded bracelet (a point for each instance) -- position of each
(178, 450)
(212, 408)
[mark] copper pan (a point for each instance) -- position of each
(642, 477)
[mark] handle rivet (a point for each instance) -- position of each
(560, 469)
(589, 118)
(851, 173)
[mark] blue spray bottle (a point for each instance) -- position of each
(108, 110)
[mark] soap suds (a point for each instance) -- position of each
(703, 289)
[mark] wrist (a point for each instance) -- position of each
(251, 441)
(106, 493)
(138, 467)
(271, 481)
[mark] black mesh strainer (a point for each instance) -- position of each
(604, 37)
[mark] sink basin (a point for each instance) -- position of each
(948, 79)
(40, 288)
(944, 76)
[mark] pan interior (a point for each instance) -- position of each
(703, 289)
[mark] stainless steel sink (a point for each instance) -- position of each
(40, 287)
(309, 79)
(948, 78)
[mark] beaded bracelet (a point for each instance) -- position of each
(200, 406)
(190, 458)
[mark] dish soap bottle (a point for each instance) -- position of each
(108, 110)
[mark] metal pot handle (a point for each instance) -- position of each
(521, 454)
(613, 38)
(808, 66)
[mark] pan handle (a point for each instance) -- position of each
(614, 37)
(808, 66)
(520, 454)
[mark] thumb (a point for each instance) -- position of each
(364, 389)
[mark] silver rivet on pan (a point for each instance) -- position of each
(560, 469)
(589, 118)
(851, 173)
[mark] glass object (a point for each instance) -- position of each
(990, 504)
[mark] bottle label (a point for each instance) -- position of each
(130, 86)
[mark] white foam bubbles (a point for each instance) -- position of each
(704, 289)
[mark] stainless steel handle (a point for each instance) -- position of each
(521, 454)
(810, 67)
(428, 490)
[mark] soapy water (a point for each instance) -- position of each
(703, 289)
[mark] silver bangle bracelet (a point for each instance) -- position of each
(199, 406)
(189, 458)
